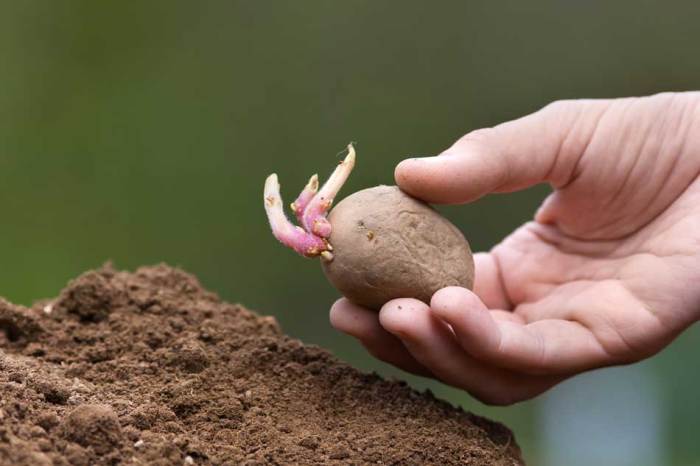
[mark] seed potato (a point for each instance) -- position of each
(387, 244)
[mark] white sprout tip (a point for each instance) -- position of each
(272, 189)
(351, 153)
(313, 183)
(272, 186)
(326, 256)
(272, 179)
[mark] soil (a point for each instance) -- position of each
(150, 368)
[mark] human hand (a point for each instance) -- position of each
(606, 274)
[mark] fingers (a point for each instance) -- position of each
(541, 147)
(549, 346)
(363, 324)
(623, 325)
(431, 342)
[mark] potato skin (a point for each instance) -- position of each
(387, 244)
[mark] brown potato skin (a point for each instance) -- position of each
(387, 244)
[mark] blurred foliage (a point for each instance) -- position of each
(141, 131)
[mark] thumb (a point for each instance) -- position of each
(541, 147)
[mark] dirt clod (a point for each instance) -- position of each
(149, 368)
(95, 426)
(17, 325)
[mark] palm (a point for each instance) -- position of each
(620, 299)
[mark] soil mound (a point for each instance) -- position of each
(149, 368)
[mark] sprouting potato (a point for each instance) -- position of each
(377, 244)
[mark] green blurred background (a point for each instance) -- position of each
(142, 131)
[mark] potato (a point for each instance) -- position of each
(387, 244)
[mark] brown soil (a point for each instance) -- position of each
(149, 368)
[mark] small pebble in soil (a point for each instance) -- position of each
(339, 454)
(311, 443)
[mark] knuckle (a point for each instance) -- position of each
(666, 95)
(478, 136)
(559, 106)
